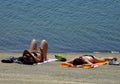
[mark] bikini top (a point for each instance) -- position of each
(35, 54)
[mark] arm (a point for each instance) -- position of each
(28, 54)
(89, 63)
(36, 59)
(71, 61)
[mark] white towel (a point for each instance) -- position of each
(49, 60)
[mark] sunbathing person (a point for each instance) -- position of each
(89, 60)
(32, 55)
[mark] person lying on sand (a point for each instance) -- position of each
(32, 55)
(89, 60)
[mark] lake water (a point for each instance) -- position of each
(67, 25)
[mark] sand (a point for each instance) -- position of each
(52, 73)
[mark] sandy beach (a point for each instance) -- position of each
(52, 73)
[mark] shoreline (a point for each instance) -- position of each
(105, 51)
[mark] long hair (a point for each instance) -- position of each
(78, 61)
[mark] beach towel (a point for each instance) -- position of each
(47, 61)
(87, 66)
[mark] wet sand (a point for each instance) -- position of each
(52, 73)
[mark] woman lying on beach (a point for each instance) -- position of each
(32, 55)
(88, 60)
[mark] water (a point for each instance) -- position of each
(67, 25)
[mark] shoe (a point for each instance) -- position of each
(60, 58)
(114, 62)
(8, 60)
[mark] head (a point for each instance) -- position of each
(78, 61)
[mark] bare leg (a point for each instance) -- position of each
(104, 59)
(109, 58)
(43, 50)
(33, 46)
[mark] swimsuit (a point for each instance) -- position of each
(90, 56)
(33, 53)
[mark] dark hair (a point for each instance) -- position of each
(78, 61)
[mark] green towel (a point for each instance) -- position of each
(60, 57)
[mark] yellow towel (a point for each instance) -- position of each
(87, 66)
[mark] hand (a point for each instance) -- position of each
(79, 66)
(94, 65)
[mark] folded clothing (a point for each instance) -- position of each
(8, 60)
(60, 57)
(19, 60)
(114, 62)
